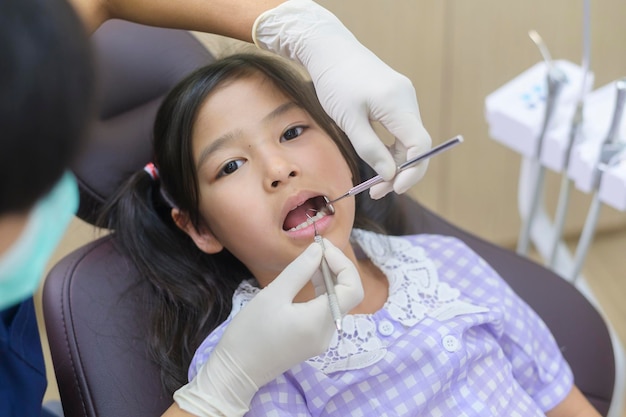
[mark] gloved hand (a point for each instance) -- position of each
(270, 335)
(353, 85)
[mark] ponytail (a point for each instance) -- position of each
(192, 290)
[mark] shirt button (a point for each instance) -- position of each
(451, 343)
(385, 327)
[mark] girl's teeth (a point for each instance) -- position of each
(309, 221)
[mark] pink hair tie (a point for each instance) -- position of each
(152, 171)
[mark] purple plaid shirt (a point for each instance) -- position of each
(452, 340)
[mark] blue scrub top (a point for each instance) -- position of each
(22, 370)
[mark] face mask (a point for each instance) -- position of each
(22, 265)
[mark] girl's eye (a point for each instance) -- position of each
(230, 167)
(293, 132)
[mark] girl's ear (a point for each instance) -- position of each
(204, 239)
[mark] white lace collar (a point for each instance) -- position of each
(414, 293)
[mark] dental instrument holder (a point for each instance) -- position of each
(515, 113)
(515, 109)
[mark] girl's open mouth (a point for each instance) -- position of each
(308, 212)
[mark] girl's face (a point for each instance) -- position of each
(263, 165)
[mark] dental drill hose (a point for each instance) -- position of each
(564, 191)
(556, 79)
(611, 146)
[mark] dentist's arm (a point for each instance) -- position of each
(353, 85)
(268, 336)
(232, 18)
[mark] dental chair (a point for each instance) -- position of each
(96, 305)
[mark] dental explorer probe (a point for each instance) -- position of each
(366, 185)
(329, 283)
(555, 80)
(610, 148)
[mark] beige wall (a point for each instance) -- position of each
(456, 53)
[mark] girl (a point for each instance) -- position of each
(245, 156)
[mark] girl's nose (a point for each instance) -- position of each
(280, 170)
(278, 182)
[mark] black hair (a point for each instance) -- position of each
(195, 289)
(46, 95)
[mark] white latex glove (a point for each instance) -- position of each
(353, 85)
(270, 335)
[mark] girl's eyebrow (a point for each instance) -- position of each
(215, 145)
(227, 137)
(280, 110)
